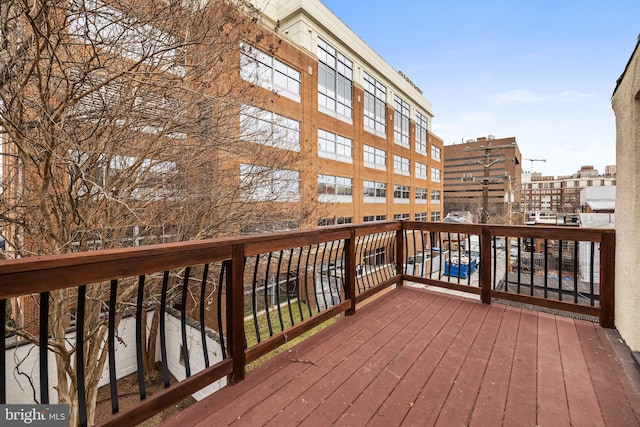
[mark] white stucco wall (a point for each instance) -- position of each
(19, 389)
(626, 106)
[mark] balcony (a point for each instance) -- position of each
(524, 349)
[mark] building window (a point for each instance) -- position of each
(332, 146)
(401, 121)
(334, 189)
(266, 71)
(372, 218)
(334, 221)
(421, 170)
(422, 125)
(264, 184)
(268, 128)
(435, 152)
(402, 216)
(401, 194)
(421, 216)
(435, 175)
(375, 192)
(400, 165)
(435, 196)
(92, 21)
(421, 195)
(435, 216)
(335, 75)
(375, 257)
(375, 106)
(375, 158)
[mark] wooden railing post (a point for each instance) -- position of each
(400, 252)
(350, 272)
(607, 280)
(235, 313)
(485, 264)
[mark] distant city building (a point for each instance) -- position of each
(467, 169)
(551, 196)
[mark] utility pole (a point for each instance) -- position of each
(485, 181)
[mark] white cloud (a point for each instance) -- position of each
(523, 96)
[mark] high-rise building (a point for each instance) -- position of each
(365, 126)
(483, 167)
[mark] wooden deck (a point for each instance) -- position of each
(415, 357)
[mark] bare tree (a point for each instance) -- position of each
(122, 123)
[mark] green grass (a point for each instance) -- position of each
(263, 327)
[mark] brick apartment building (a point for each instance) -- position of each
(364, 126)
(468, 167)
(549, 195)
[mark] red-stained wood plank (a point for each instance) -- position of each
(553, 408)
(490, 404)
(580, 392)
(408, 390)
(361, 367)
(414, 357)
(433, 396)
(619, 404)
(521, 404)
(375, 332)
(459, 404)
(332, 408)
(368, 402)
(270, 374)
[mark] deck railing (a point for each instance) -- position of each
(216, 305)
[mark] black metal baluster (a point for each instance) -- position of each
(183, 322)
(322, 263)
(533, 244)
(560, 283)
(299, 283)
(359, 270)
(340, 282)
(163, 330)
(306, 281)
(313, 273)
(267, 312)
(221, 281)
(423, 251)
(203, 332)
(507, 262)
(139, 344)
(575, 271)
(442, 256)
(591, 273)
(470, 258)
(519, 266)
(43, 346)
(111, 336)
(366, 268)
(459, 258)
(3, 349)
(82, 396)
(287, 286)
(546, 267)
(277, 284)
(381, 242)
(254, 298)
(335, 267)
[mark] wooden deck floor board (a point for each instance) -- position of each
(423, 358)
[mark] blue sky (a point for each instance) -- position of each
(541, 71)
